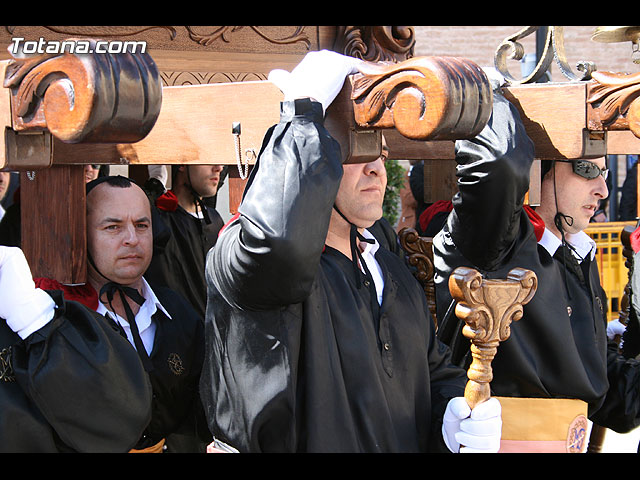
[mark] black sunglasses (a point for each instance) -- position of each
(587, 169)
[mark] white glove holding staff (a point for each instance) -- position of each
(320, 75)
(615, 327)
(24, 307)
(478, 430)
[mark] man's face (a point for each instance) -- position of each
(577, 197)
(205, 179)
(4, 183)
(362, 191)
(91, 172)
(119, 234)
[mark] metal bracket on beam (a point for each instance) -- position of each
(28, 151)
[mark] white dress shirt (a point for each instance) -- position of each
(368, 255)
(146, 326)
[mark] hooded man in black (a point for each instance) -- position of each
(319, 339)
(559, 349)
(192, 226)
(155, 330)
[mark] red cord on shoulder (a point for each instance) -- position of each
(167, 202)
(538, 223)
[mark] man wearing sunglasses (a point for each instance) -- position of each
(557, 364)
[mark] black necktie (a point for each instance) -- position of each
(109, 289)
(570, 261)
(354, 236)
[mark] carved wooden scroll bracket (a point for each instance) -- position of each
(79, 98)
(613, 102)
(420, 257)
(589, 119)
(423, 99)
(488, 307)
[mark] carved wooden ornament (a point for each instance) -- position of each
(92, 97)
(613, 102)
(488, 307)
(115, 99)
(420, 257)
(424, 98)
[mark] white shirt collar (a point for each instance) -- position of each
(581, 242)
(370, 248)
(368, 255)
(143, 319)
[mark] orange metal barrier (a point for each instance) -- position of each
(613, 272)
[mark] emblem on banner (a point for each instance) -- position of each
(576, 438)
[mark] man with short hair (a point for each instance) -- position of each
(558, 350)
(160, 325)
(166, 332)
(320, 339)
(193, 226)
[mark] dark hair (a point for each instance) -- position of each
(545, 166)
(114, 180)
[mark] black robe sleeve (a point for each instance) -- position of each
(298, 358)
(273, 260)
(77, 386)
(498, 161)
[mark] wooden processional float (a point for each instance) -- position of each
(70, 109)
(65, 109)
(75, 109)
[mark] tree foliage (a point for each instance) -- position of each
(391, 203)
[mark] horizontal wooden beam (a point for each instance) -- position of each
(123, 116)
(554, 115)
(424, 99)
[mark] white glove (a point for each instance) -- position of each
(218, 446)
(24, 307)
(477, 430)
(159, 172)
(320, 75)
(614, 327)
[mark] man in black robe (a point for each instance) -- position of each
(559, 349)
(193, 228)
(319, 339)
(159, 324)
(166, 332)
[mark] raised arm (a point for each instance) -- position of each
(493, 178)
(77, 372)
(269, 254)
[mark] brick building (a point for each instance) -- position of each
(479, 43)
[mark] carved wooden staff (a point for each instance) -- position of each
(488, 307)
